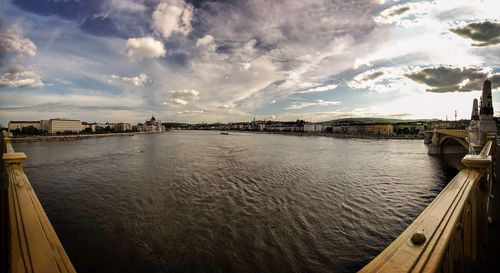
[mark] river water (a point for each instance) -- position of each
(195, 201)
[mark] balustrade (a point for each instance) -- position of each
(32, 243)
(450, 234)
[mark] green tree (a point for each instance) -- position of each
(30, 131)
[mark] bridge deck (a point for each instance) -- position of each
(450, 132)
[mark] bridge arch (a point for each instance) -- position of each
(447, 138)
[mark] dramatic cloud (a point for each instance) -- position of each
(406, 15)
(318, 89)
(13, 50)
(256, 57)
(486, 33)
(204, 41)
(300, 105)
(169, 18)
(147, 47)
(449, 79)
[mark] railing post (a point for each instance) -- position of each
(493, 151)
(15, 161)
(6, 141)
(483, 164)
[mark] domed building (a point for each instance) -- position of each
(151, 126)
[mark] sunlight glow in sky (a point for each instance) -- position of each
(194, 61)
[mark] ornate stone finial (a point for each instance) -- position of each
(475, 112)
(486, 102)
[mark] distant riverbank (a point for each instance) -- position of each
(329, 134)
(343, 135)
(72, 137)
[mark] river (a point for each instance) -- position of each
(199, 201)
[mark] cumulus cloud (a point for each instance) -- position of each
(12, 41)
(188, 112)
(126, 5)
(300, 105)
(137, 80)
(15, 78)
(185, 94)
(406, 14)
(454, 79)
(146, 47)
(486, 33)
(14, 48)
(170, 18)
(175, 101)
(181, 97)
(246, 66)
(318, 89)
(207, 39)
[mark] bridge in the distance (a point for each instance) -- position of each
(447, 141)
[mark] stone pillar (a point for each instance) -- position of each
(434, 148)
(475, 111)
(486, 122)
(473, 130)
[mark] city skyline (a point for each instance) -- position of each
(217, 61)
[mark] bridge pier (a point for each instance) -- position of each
(434, 148)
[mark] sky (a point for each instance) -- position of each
(231, 60)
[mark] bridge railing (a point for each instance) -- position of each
(32, 243)
(450, 234)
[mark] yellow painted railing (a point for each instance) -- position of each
(450, 234)
(33, 245)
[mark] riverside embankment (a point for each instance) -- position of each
(73, 137)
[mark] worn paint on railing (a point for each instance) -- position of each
(451, 232)
(34, 245)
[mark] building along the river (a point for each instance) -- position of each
(13, 125)
(64, 125)
(152, 125)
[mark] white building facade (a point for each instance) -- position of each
(64, 125)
